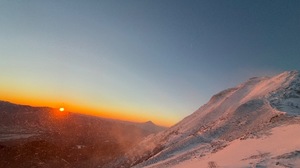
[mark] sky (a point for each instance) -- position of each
(141, 60)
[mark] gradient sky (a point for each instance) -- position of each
(141, 60)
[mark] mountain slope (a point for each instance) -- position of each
(256, 105)
(46, 137)
(278, 148)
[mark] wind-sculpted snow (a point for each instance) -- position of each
(231, 114)
(287, 99)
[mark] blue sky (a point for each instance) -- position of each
(153, 58)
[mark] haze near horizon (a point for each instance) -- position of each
(141, 60)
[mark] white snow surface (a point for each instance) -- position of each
(280, 149)
(232, 114)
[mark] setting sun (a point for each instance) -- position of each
(61, 109)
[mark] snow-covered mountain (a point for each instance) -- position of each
(258, 108)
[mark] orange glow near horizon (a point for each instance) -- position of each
(125, 114)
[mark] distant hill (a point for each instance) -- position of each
(46, 137)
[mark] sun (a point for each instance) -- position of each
(61, 109)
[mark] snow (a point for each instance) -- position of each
(229, 115)
(253, 152)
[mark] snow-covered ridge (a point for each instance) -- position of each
(231, 114)
(287, 98)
